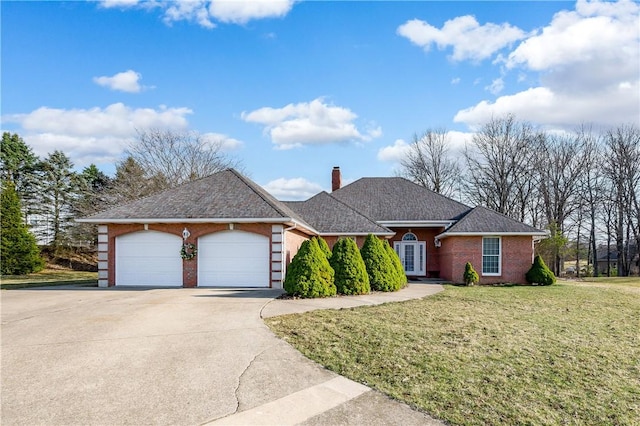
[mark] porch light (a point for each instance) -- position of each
(185, 234)
(436, 242)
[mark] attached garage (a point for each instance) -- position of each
(233, 259)
(148, 258)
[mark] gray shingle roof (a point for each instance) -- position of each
(223, 195)
(328, 215)
(398, 199)
(484, 220)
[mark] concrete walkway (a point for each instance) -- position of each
(415, 290)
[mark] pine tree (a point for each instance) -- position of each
(380, 268)
(309, 274)
(20, 254)
(350, 272)
(19, 165)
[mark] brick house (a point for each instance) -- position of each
(246, 238)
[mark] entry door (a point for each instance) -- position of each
(413, 256)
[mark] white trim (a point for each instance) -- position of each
(489, 234)
(416, 223)
(492, 274)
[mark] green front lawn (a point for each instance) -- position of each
(563, 354)
(49, 277)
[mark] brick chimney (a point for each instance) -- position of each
(336, 179)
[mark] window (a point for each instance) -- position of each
(491, 255)
(409, 236)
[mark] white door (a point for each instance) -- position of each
(233, 259)
(149, 258)
(413, 256)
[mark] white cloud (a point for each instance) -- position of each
(92, 135)
(127, 81)
(469, 39)
(455, 81)
(241, 11)
(204, 12)
(226, 143)
(589, 65)
(292, 189)
(394, 153)
(496, 86)
(309, 123)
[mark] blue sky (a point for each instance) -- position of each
(294, 88)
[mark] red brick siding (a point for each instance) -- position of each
(292, 241)
(333, 239)
(517, 256)
(189, 267)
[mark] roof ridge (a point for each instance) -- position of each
(258, 191)
(160, 191)
(356, 211)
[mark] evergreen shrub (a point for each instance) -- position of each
(350, 272)
(540, 273)
(470, 276)
(383, 275)
(397, 263)
(309, 275)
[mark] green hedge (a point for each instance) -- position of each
(395, 260)
(540, 273)
(382, 272)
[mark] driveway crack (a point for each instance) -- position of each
(249, 365)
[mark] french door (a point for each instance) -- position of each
(413, 256)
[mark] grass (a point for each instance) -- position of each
(48, 277)
(563, 354)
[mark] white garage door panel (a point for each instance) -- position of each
(148, 258)
(233, 259)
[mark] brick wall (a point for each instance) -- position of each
(517, 256)
(189, 267)
(427, 235)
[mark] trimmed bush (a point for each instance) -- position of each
(20, 253)
(470, 276)
(309, 274)
(380, 268)
(323, 246)
(397, 263)
(540, 273)
(350, 273)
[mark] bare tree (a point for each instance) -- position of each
(560, 161)
(430, 164)
(179, 157)
(500, 173)
(622, 168)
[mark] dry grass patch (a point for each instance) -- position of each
(563, 354)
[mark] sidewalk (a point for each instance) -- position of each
(415, 290)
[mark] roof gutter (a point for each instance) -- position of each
(481, 234)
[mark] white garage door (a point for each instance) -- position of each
(149, 258)
(233, 259)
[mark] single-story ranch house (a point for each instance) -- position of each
(244, 237)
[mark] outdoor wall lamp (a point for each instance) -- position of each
(185, 234)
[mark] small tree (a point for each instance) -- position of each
(350, 273)
(323, 246)
(309, 274)
(540, 273)
(470, 275)
(380, 268)
(395, 260)
(20, 254)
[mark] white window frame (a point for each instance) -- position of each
(492, 274)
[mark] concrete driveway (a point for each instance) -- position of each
(73, 355)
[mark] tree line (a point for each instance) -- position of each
(582, 186)
(51, 193)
